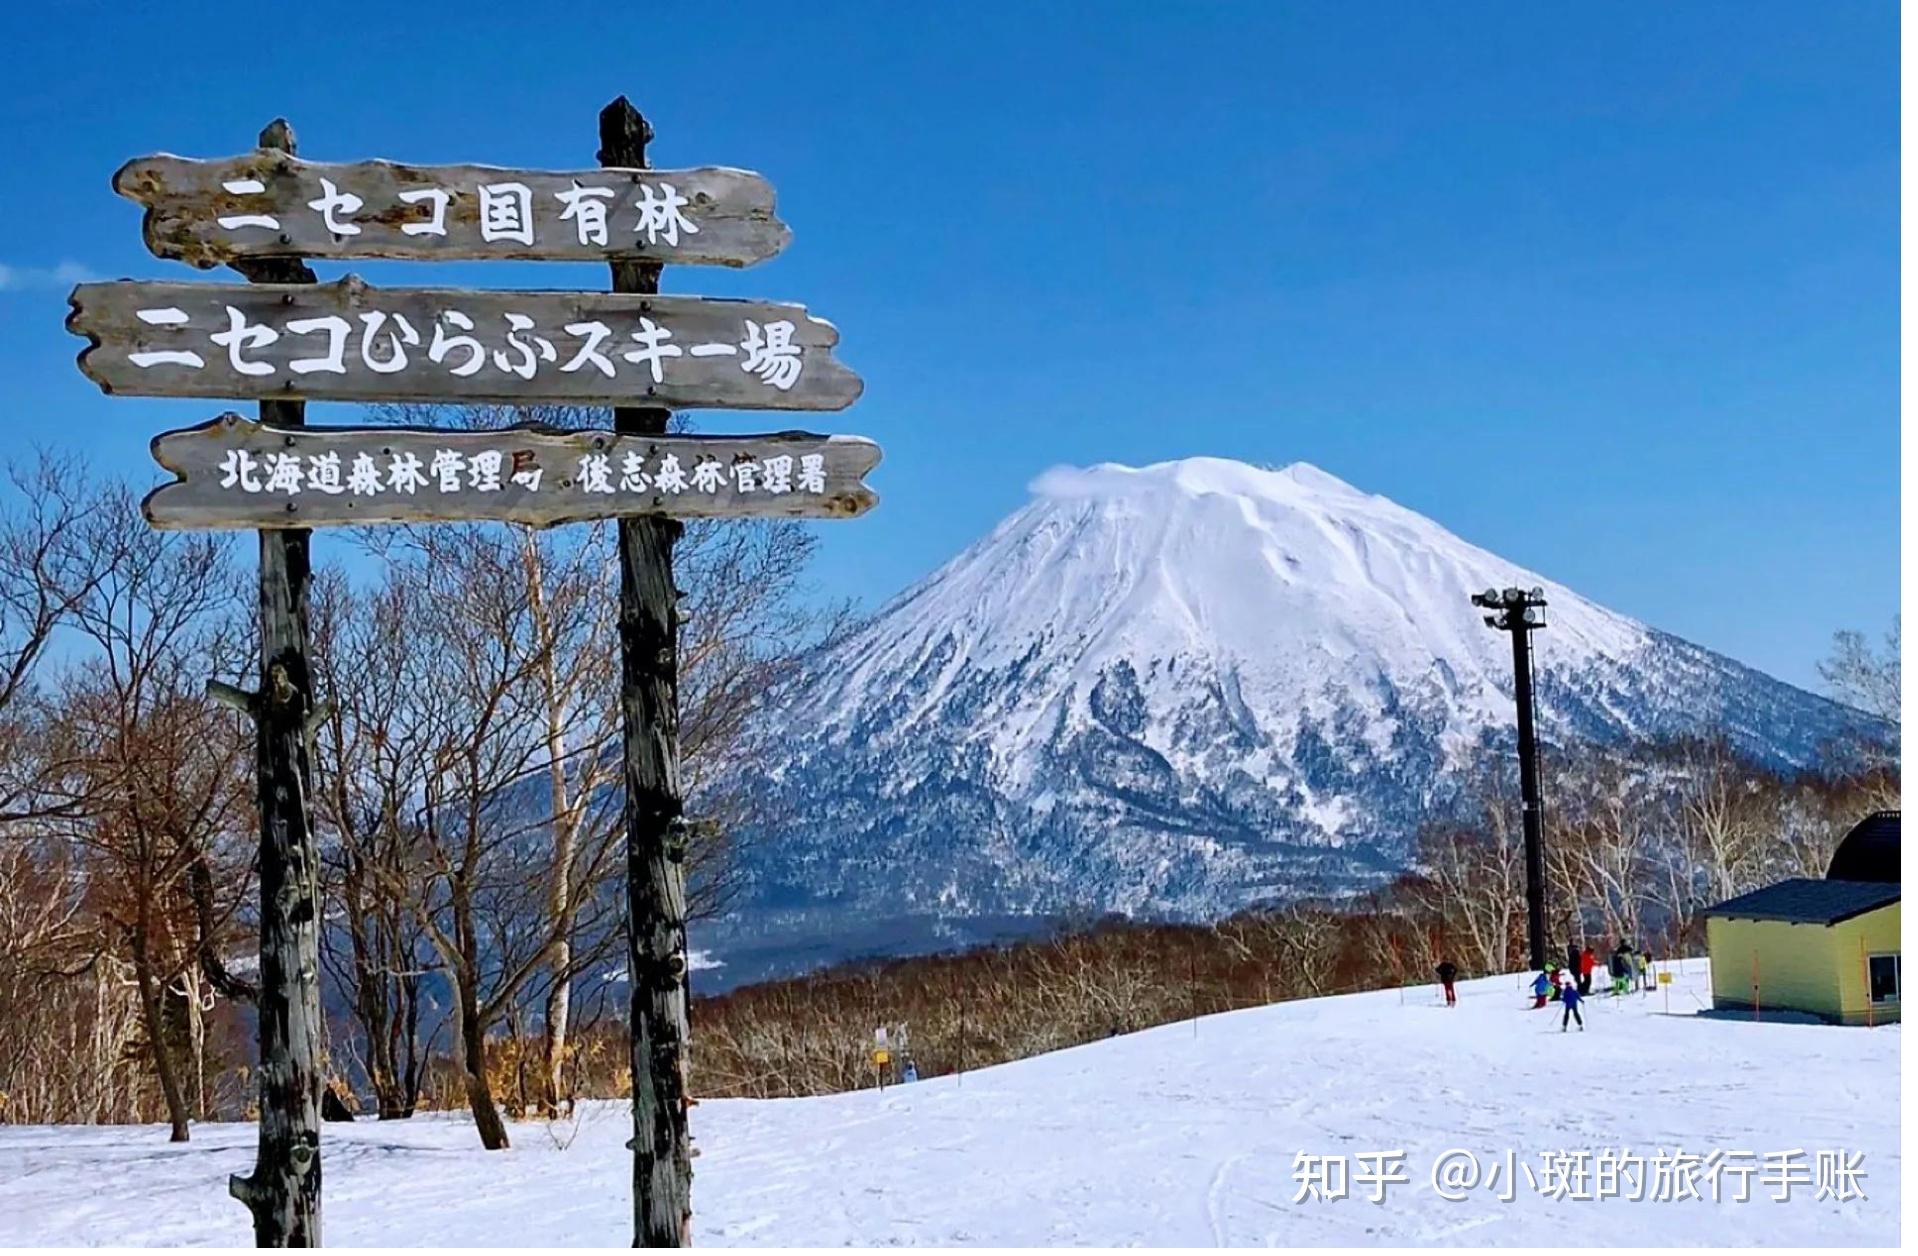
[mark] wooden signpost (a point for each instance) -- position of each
(270, 203)
(656, 835)
(235, 473)
(283, 1191)
(283, 339)
(348, 341)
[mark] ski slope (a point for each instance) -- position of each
(1179, 1135)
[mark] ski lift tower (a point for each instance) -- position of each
(1521, 613)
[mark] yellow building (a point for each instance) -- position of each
(1828, 948)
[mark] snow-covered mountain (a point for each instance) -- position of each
(1183, 688)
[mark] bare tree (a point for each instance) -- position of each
(367, 769)
(1725, 812)
(1865, 676)
(466, 641)
(573, 635)
(45, 944)
(1473, 874)
(47, 567)
(745, 619)
(522, 628)
(1610, 838)
(148, 776)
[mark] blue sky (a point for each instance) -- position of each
(1610, 291)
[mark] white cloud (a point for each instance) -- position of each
(59, 275)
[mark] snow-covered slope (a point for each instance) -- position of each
(1179, 1135)
(1187, 687)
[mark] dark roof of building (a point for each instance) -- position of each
(1806, 901)
(1869, 852)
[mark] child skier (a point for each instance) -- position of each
(1447, 974)
(1621, 968)
(1542, 986)
(1572, 1013)
(1587, 961)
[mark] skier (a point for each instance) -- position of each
(910, 1073)
(1571, 1010)
(1620, 968)
(1447, 974)
(1571, 956)
(1542, 987)
(1646, 977)
(1587, 961)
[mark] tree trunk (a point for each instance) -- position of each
(479, 1092)
(409, 988)
(559, 1001)
(196, 1041)
(373, 986)
(164, 1064)
(560, 911)
(380, 1065)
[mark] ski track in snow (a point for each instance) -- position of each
(1163, 1137)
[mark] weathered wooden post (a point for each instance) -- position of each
(655, 831)
(283, 1191)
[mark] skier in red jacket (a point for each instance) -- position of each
(1586, 963)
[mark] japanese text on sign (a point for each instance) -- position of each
(236, 473)
(349, 341)
(387, 344)
(362, 473)
(267, 204)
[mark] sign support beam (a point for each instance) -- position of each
(655, 828)
(283, 1191)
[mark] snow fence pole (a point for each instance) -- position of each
(655, 827)
(960, 1075)
(1192, 984)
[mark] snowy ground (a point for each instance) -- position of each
(1164, 1137)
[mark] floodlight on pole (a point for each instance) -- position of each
(1519, 612)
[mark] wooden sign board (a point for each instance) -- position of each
(348, 341)
(272, 204)
(236, 473)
